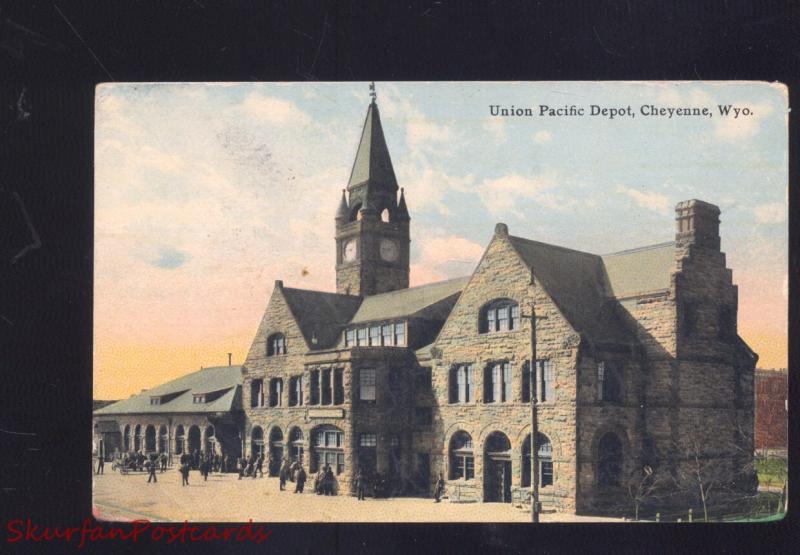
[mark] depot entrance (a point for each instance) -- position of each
(497, 469)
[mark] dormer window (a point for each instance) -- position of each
(499, 315)
(155, 400)
(199, 398)
(276, 344)
(383, 335)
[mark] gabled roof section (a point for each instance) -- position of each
(408, 302)
(320, 314)
(224, 379)
(641, 270)
(373, 163)
(575, 281)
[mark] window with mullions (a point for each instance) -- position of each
(387, 335)
(609, 383)
(328, 449)
(499, 315)
(544, 451)
(462, 459)
(375, 336)
(350, 338)
(296, 391)
(400, 334)
(545, 381)
(462, 388)
(275, 392)
(276, 344)
(314, 387)
(362, 337)
(367, 384)
(497, 383)
(257, 393)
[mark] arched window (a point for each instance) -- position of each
(275, 450)
(327, 445)
(257, 441)
(163, 439)
(355, 212)
(385, 216)
(499, 315)
(126, 438)
(211, 441)
(609, 460)
(609, 383)
(276, 344)
(296, 445)
(137, 438)
(544, 451)
(179, 440)
(462, 458)
(194, 439)
(150, 438)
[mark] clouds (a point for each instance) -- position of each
(771, 213)
(273, 110)
(170, 258)
(733, 129)
(443, 255)
(506, 195)
(650, 200)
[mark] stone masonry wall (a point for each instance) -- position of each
(502, 274)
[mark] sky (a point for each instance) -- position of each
(205, 194)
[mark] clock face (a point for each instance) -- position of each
(389, 250)
(350, 250)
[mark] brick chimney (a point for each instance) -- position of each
(697, 223)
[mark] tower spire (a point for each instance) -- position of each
(343, 212)
(372, 93)
(402, 209)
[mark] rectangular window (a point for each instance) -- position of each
(330, 439)
(502, 318)
(257, 393)
(545, 381)
(314, 400)
(491, 320)
(461, 379)
(546, 473)
(367, 384)
(326, 387)
(601, 374)
(339, 463)
(155, 400)
(362, 337)
(338, 386)
(400, 334)
(470, 384)
(526, 383)
(375, 336)
(506, 382)
(387, 334)
(515, 317)
(469, 471)
(368, 440)
(350, 338)
(275, 392)
(295, 391)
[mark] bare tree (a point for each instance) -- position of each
(644, 486)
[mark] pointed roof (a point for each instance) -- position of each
(410, 302)
(344, 211)
(372, 163)
(402, 209)
(320, 314)
(575, 281)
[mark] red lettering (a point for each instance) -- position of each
(13, 530)
(139, 527)
(30, 531)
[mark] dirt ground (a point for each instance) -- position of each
(224, 498)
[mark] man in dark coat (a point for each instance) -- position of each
(300, 480)
(100, 463)
(259, 466)
(329, 481)
(282, 475)
(185, 458)
(163, 459)
(360, 485)
(438, 489)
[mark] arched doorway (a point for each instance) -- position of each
(149, 438)
(275, 450)
(257, 441)
(544, 451)
(179, 440)
(126, 438)
(163, 439)
(497, 468)
(296, 445)
(194, 439)
(137, 438)
(211, 442)
(327, 449)
(609, 460)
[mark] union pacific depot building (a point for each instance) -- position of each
(638, 364)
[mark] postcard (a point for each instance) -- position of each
(440, 302)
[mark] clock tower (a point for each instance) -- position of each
(372, 224)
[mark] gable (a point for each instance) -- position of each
(278, 318)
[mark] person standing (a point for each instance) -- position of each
(329, 480)
(185, 469)
(100, 463)
(260, 465)
(300, 480)
(151, 469)
(360, 485)
(282, 476)
(163, 462)
(438, 489)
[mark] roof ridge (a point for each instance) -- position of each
(420, 286)
(552, 246)
(323, 292)
(642, 248)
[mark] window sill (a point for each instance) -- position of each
(496, 333)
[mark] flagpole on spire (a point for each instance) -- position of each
(372, 92)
